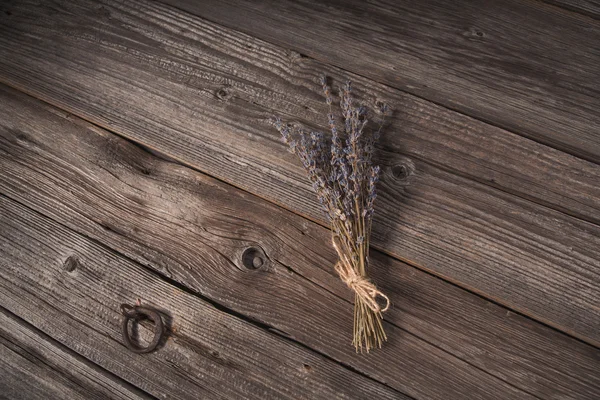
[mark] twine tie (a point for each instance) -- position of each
(362, 286)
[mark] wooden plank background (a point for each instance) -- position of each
(34, 366)
(585, 7)
(91, 180)
(158, 77)
(209, 354)
(520, 65)
(466, 201)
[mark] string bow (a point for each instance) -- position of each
(364, 288)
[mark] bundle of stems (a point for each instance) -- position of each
(342, 174)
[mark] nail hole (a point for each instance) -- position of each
(307, 367)
(253, 258)
(70, 264)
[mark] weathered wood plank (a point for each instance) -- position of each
(209, 354)
(34, 366)
(522, 65)
(202, 94)
(206, 76)
(194, 229)
(586, 7)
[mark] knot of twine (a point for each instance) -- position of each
(362, 286)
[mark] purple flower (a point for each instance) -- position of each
(339, 169)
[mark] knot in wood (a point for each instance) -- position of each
(71, 263)
(402, 171)
(254, 258)
(223, 94)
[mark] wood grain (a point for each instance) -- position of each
(444, 342)
(525, 66)
(585, 7)
(458, 197)
(34, 366)
(209, 354)
(149, 69)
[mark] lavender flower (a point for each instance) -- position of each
(342, 174)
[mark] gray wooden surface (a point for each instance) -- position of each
(517, 64)
(487, 242)
(209, 353)
(585, 7)
(157, 86)
(35, 366)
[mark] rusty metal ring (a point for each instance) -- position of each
(138, 313)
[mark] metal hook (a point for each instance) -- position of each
(138, 313)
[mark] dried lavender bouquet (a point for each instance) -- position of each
(343, 176)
